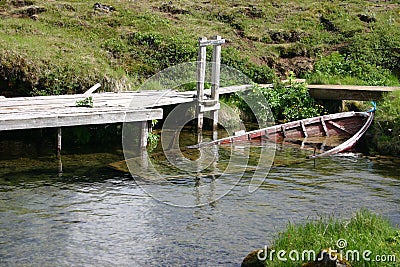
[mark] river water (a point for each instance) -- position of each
(95, 216)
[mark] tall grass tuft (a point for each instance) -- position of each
(365, 231)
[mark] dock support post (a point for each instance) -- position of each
(211, 104)
(201, 75)
(59, 141)
(215, 77)
(144, 132)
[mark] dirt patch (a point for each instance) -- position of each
(280, 37)
(253, 12)
(298, 65)
(21, 3)
(30, 10)
(172, 9)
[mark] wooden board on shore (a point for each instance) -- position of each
(349, 92)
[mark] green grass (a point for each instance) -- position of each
(387, 125)
(364, 231)
(70, 46)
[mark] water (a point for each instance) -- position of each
(95, 216)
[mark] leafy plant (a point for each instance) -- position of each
(86, 102)
(287, 101)
(152, 138)
(291, 101)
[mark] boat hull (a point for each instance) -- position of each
(345, 124)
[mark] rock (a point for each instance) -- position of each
(252, 260)
(328, 258)
(30, 11)
(328, 24)
(366, 18)
(103, 8)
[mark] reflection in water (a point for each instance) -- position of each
(99, 217)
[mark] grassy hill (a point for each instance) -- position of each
(57, 47)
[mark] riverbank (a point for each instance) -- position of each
(363, 240)
(386, 130)
(49, 47)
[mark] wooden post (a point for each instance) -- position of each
(144, 132)
(59, 141)
(212, 104)
(215, 77)
(201, 75)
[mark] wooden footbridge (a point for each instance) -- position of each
(61, 111)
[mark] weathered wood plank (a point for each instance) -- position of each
(58, 111)
(43, 120)
(349, 92)
(200, 76)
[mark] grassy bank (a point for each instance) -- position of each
(365, 231)
(387, 125)
(53, 47)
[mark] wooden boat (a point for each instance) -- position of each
(351, 125)
(349, 143)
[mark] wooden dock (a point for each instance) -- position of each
(349, 92)
(61, 111)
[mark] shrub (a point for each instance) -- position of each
(346, 69)
(291, 101)
(387, 125)
(287, 101)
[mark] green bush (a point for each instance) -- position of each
(337, 68)
(159, 51)
(292, 101)
(387, 125)
(287, 101)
